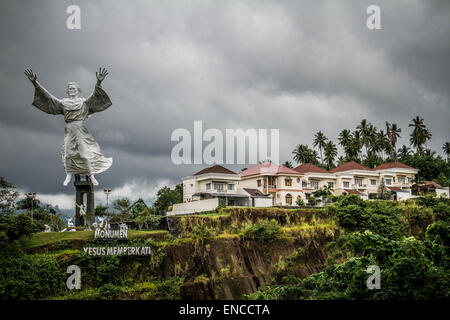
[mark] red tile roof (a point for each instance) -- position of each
(309, 167)
(254, 193)
(390, 165)
(267, 167)
(352, 165)
(434, 184)
(214, 169)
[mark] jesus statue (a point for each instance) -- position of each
(80, 152)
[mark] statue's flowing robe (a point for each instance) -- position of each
(80, 154)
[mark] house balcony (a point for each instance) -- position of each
(359, 186)
(270, 188)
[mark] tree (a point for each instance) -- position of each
(137, 208)
(365, 130)
(420, 134)
(345, 140)
(122, 205)
(302, 154)
(393, 133)
(383, 143)
(383, 192)
(330, 154)
(100, 210)
(446, 148)
(355, 146)
(167, 197)
(288, 164)
(8, 195)
(404, 152)
(319, 141)
(27, 203)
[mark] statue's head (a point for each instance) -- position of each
(73, 90)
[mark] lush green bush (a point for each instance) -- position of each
(30, 277)
(312, 201)
(410, 269)
(300, 202)
(381, 217)
(442, 211)
(13, 227)
(264, 232)
(202, 233)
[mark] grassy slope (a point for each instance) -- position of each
(45, 238)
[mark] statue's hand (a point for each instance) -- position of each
(31, 75)
(101, 74)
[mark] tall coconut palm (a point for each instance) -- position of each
(404, 152)
(372, 140)
(345, 140)
(356, 145)
(330, 154)
(312, 157)
(446, 148)
(319, 141)
(383, 144)
(364, 129)
(393, 132)
(420, 134)
(301, 153)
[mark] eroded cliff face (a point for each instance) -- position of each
(224, 265)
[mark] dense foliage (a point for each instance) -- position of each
(379, 233)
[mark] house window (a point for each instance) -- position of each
(401, 180)
(304, 184)
(388, 182)
(208, 186)
(230, 186)
(358, 182)
(331, 185)
(373, 182)
(258, 183)
(288, 182)
(218, 187)
(346, 184)
(288, 199)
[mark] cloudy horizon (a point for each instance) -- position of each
(296, 66)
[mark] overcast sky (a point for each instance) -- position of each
(296, 66)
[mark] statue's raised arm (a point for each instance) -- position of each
(99, 100)
(44, 100)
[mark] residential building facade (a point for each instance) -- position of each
(269, 184)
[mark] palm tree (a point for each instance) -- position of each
(364, 129)
(393, 133)
(301, 153)
(404, 152)
(341, 160)
(330, 153)
(372, 140)
(288, 164)
(345, 140)
(356, 145)
(420, 134)
(312, 157)
(446, 148)
(383, 143)
(319, 141)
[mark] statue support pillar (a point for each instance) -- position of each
(83, 187)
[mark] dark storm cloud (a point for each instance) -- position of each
(300, 66)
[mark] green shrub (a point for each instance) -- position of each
(201, 233)
(263, 232)
(30, 277)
